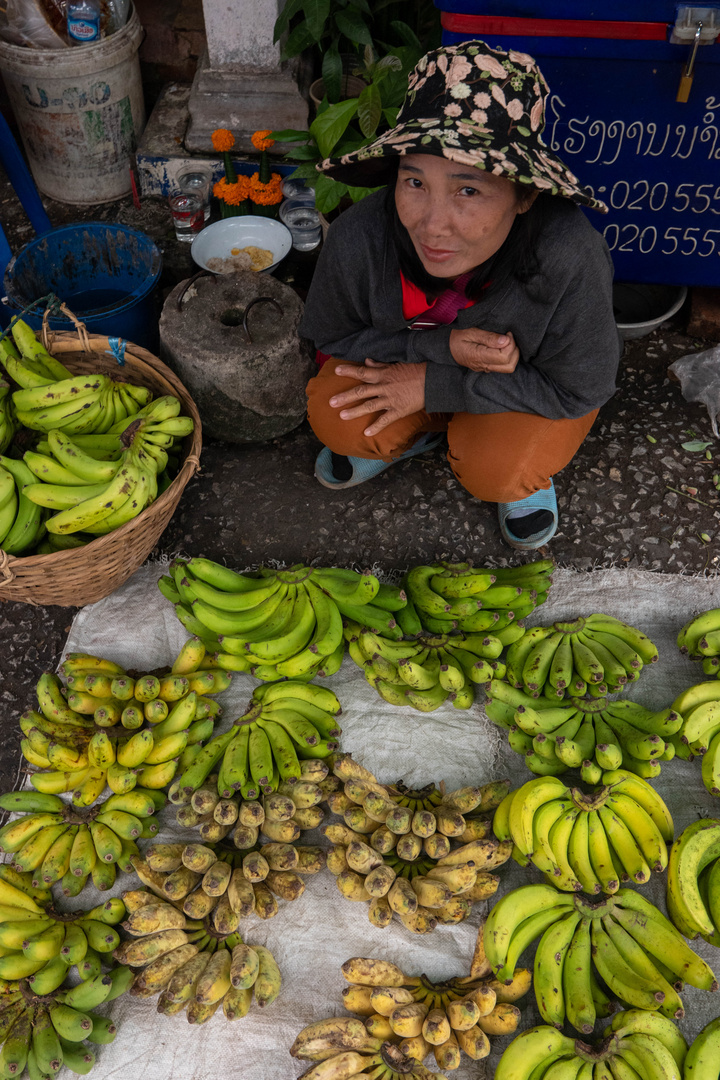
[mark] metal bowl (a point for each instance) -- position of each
(640, 308)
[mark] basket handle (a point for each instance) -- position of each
(48, 335)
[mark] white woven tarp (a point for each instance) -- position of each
(311, 938)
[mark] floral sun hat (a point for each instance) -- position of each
(476, 106)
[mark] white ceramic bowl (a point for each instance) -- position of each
(217, 241)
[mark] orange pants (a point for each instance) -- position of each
(497, 457)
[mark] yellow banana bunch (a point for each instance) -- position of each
(597, 654)
(188, 961)
(43, 1030)
(446, 1018)
(638, 1045)
(588, 842)
(39, 945)
(394, 849)
(342, 1047)
(54, 842)
(591, 952)
(225, 885)
(586, 733)
(286, 729)
(446, 596)
(105, 728)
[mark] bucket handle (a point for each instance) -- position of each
(48, 335)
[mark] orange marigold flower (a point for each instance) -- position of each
(266, 195)
(222, 140)
(261, 141)
(236, 193)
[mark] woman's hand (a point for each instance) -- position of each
(393, 390)
(480, 350)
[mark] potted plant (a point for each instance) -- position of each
(335, 31)
(349, 124)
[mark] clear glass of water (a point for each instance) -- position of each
(187, 215)
(303, 221)
(197, 179)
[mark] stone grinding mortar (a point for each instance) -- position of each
(248, 387)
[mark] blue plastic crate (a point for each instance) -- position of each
(613, 117)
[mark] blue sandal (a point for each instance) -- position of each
(366, 468)
(544, 499)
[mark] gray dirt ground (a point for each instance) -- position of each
(621, 500)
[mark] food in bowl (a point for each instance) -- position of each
(247, 258)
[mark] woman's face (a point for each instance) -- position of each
(457, 216)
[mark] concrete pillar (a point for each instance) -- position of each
(241, 83)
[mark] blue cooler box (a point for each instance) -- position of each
(612, 116)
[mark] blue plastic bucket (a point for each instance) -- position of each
(106, 274)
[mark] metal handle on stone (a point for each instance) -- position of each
(257, 300)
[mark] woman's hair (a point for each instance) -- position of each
(516, 258)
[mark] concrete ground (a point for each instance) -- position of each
(631, 497)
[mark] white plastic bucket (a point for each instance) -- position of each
(80, 112)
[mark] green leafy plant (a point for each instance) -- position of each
(329, 28)
(347, 125)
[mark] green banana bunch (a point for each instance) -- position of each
(702, 1057)
(286, 725)
(27, 361)
(590, 952)
(39, 945)
(429, 669)
(8, 502)
(700, 731)
(51, 397)
(590, 843)
(223, 884)
(693, 881)
(699, 639)
(96, 496)
(597, 654)
(108, 729)
(191, 964)
(42, 1031)
(445, 1018)
(22, 530)
(54, 842)
(394, 847)
(589, 734)
(343, 1047)
(447, 596)
(7, 417)
(636, 1046)
(278, 624)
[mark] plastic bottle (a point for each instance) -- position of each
(83, 21)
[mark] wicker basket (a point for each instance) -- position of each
(83, 575)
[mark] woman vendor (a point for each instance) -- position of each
(470, 296)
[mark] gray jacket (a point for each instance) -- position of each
(565, 329)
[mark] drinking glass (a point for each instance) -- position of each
(197, 179)
(303, 221)
(187, 215)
